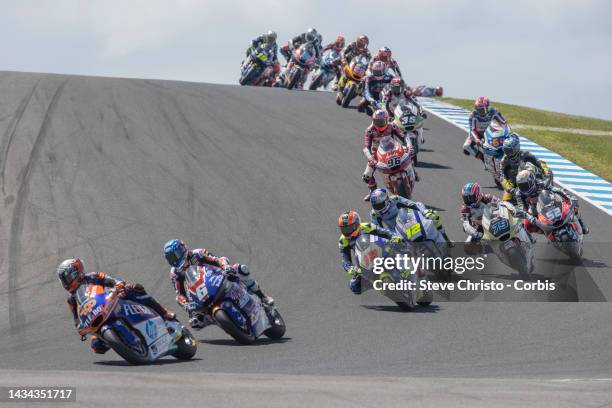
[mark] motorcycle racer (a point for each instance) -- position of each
(311, 36)
(397, 94)
(358, 47)
(480, 119)
(351, 228)
(529, 187)
(373, 86)
(72, 275)
(379, 128)
(385, 56)
(337, 45)
(424, 90)
(269, 41)
(385, 208)
(472, 209)
(180, 258)
(511, 162)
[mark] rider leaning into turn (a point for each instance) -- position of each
(310, 36)
(380, 128)
(397, 94)
(510, 165)
(337, 45)
(373, 85)
(472, 209)
(180, 258)
(385, 56)
(72, 275)
(385, 208)
(529, 187)
(357, 47)
(351, 229)
(480, 119)
(267, 40)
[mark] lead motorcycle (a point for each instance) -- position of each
(410, 121)
(258, 69)
(296, 72)
(330, 65)
(239, 313)
(134, 331)
(394, 161)
(367, 249)
(505, 234)
(557, 219)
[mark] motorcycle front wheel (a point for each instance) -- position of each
(347, 95)
(129, 354)
(278, 328)
(230, 328)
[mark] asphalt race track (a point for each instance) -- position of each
(109, 169)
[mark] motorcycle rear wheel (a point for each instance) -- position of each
(402, 189)
(230, 328)
(278, 328)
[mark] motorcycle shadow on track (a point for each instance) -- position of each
(162, 361)
(231, 342)
(397, 309)
(427, 165)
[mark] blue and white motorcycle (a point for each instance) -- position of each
(331, 62)
(239, 313)
(132, 330)
(492, 145)
(370, 247)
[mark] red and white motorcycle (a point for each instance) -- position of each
(393, 159)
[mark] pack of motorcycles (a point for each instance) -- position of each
(141, 336)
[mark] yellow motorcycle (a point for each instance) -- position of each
(351, 84)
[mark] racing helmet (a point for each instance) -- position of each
(471, 194)
(311, 35)
(339, 43)
(380, 200)
(384, 54)
(378, 69)
(70, 273)
(362, 41)
(439, 91)
(175, 252)
(526, 182)
(270, 37)
(512, 146)
(481, 105)
(349, 223)
(380, 120)
(397, 86)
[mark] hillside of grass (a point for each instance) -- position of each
(593, 153)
